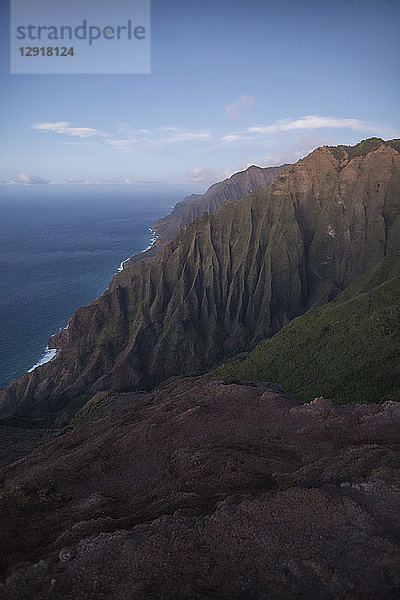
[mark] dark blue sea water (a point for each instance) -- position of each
(59, 247)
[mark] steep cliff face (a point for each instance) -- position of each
(230, 279)
(192, 207)
(233, 189)
(347, 350)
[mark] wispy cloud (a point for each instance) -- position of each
(202, 174)
(67, 128)
(278, 138)
(124, 137)
(315, 122)
(80, 143)
(126, 145)
(29, 179)
(303, 124)
(234, 137)
(235, 110)
(118, 180)
(170, 128)
(179, 136)
(292, 153)
(78, 180)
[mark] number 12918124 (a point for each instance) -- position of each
(46, 51)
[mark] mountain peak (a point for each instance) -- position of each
(363, 148)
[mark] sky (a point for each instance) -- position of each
(232, 83)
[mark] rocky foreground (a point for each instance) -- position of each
(207, 489)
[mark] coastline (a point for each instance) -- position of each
(153, 241)
(48, 355)
(51, 353)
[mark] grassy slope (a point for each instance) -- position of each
(348, 350)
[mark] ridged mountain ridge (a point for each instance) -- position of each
(228, 280)
(233, 189)
(346, 350)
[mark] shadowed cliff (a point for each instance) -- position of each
(228, 280)
(347, 350)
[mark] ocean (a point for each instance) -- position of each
(59, 247)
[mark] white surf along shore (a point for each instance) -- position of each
(48, 354)
(51, 353)
(152, 242)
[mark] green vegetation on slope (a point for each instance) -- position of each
(348, 350)
(363, 148)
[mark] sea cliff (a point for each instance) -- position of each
(229, 280)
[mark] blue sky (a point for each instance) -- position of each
(232, 83)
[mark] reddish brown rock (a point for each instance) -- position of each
(207, 489)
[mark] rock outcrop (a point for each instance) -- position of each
(228, 280)
(207, 489)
